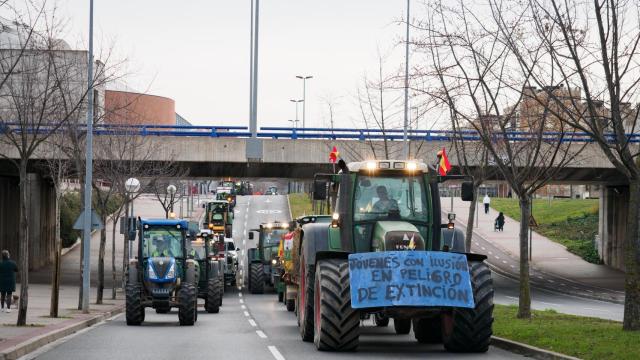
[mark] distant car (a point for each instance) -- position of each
(269, 192)
(272, 191)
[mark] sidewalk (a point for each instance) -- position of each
(41, 330)
(547, 256)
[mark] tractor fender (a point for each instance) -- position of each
(214, 269)
(454, 239)
(252, 255)
(191, 274)
(132, 277)
(315, 240)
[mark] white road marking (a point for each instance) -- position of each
(483, 248)
(241, 301)
(548, 303)
(239, 294)
(497, 257)
(276, 354)
(246, 313)
(551, 281)
(253, 323)
(261, 334)
(504, 261)
(243, 307)
(512, 297)
(513, 266)
(601, 310)
(490, 253)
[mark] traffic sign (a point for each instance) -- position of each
(532, 222)
(96, 223)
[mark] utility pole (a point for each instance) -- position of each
(254, 145)
(88, 174)
(405, 136)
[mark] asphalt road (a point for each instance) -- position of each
(258, 327)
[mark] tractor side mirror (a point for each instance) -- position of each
(250, 235)
(467, 191)
(204, 206)
(319, 190)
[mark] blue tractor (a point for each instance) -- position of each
(162, 275)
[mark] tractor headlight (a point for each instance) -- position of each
(274, 262)
(152, 273)
(172, 271)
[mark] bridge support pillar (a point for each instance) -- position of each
(41, 217)
(612, 225)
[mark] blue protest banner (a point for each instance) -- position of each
(410, 278)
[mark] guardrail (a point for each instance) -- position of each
(268, 132)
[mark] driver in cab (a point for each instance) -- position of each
(385, 203)
(161, 248)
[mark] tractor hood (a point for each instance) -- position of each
(396, 235)
(162, 270)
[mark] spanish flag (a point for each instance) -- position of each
(333, 156)
(444, 166)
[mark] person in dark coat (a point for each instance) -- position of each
(499, 225)
(8, 270)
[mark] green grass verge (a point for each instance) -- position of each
(300, 204)
(583, 337)
(570, 222)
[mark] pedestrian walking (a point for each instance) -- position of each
(8, 270)
(487, 202)
(499, 223)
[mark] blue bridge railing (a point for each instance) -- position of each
(268, 132)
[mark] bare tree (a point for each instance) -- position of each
(473, 65)
(591, 48)
(40, 73)
(57, 166)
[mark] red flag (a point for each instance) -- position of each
(444, 166)
(333, 156)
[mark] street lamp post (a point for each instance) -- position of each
(304, 98)
(296, 102)
(171, 190)
(132, 185)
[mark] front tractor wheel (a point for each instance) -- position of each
(337, 324)
(256, 278)
(470, 330)
(212, 303)
(134, 308)
(187, 310)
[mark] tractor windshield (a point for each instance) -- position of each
(198, 250)
(162, 241)
(218, 207)
(390, 198)
(272, 237)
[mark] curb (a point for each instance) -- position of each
(37, 342)
(515, 277)
(528, 350)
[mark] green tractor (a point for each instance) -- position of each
(218, 217)
(263, 260)
(204, 250)
(386, 254)
(162, 276)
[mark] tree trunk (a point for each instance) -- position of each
(472, 215)
(125, 250)
(55, 279)
(524, 307)
(24, 245)
(631, 319)
(103, 244)
(114, 272)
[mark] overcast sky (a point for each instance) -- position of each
(197, 52)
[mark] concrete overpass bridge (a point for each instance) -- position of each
(292, 153)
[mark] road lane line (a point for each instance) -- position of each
(261, 334)
(276, 354)
(253, 323)
(512, 297)
(548, 303)
(246, 313)
(504, 261)
(241, 301)
(239, 294)
(593, 309)
(243, 307)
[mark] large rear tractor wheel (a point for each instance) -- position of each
(256, 278)
(187, 310)
(381, 320)
(428, 330)
(470, 330)
(402, 326)
(305, 303)
(134, 308)
(212, 302)
(337, 324)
